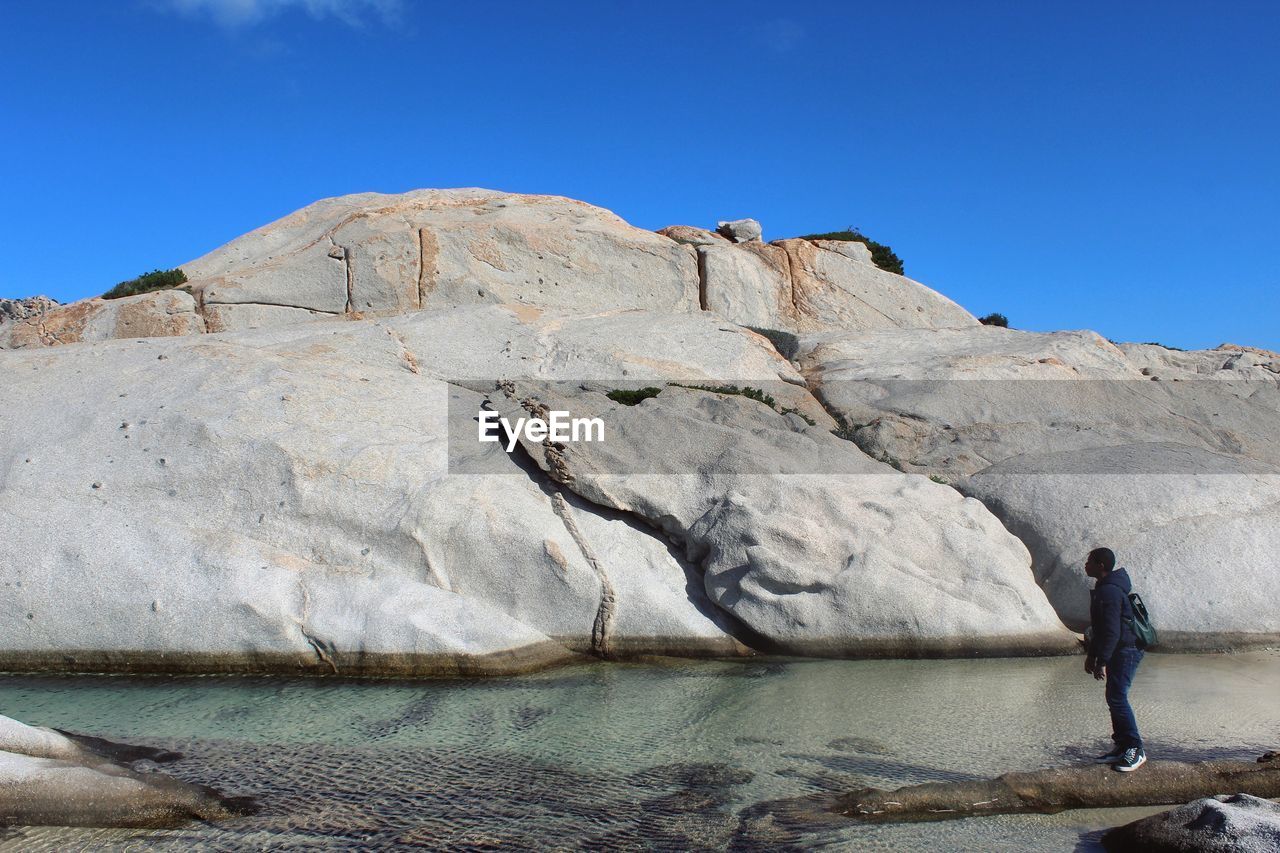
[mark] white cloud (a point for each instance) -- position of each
(241, 13)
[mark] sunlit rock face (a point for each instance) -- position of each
(291, 498)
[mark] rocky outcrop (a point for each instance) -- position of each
(378, 255)
(314, 497)
(801, 537)
(48, 778)
(13, 310)
(1165, 456)
(1058, 788)
(386, 254)
(161, 313)
(1235, 823)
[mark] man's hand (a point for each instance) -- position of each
(1089, 664)
(1100, 671)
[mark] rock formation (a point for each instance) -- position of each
(1058, 788)
(276, 465)
(1235, 823)
(49, 778)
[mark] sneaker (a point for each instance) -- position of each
(1111, 757)
(1133, 758)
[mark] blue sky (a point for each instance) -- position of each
(1083, 165)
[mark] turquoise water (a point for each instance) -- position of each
(675, 755)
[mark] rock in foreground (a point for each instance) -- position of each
(1059, 788)
(1238, 823)
(47, 778)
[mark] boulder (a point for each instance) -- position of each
(48, 778)
(740, 230)
(1234, 823)
(813, 546)
(12, 310)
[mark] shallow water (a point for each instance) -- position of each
(676, 755)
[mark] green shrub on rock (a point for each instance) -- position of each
(995, 320)
(882, 255)
(147, 282)
(629, 397)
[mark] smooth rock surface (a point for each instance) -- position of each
(284, 499)
(800, 536)
(48, 778)
(375, 253)
(1196, 530)
(1167, 457)
(1228, 823)
(291, 499)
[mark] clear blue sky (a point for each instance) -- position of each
(1073, 165)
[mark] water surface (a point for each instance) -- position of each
(676, 755)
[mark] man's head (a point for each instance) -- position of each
(1100, 562)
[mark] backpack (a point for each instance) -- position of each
(1144, 631)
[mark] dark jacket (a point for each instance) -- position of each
(1111, 615)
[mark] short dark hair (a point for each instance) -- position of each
(1105, 557)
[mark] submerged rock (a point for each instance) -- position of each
(1236, 823)
(48, 778)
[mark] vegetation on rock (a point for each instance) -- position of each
(995, 319)
(629, 397)
(882, 255)
(147, 282)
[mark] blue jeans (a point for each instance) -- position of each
(1120, 671)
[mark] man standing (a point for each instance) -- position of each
(1114, 655)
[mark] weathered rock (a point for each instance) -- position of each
(284, 499)
(47, 778)
(1235, 823)
(380, 254)
(810, 544)
(1059, 788)
(740, 230)
(296, 498)
(12, 310)
(1074, 445)
(161, 313)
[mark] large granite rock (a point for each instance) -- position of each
(1167, 457)
(48, 778)
(813, 546)
(1228, 823)
(298, 498)
(374, 253)
(12, 310)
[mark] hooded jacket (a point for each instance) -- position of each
(1111, 614)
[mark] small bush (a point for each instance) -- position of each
(792, 410)
(846, 430)
(995, 320)
(882, 255)
(632, 398)
(1162, 346)
(750, 393)
(147, 282)
(938, 479)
